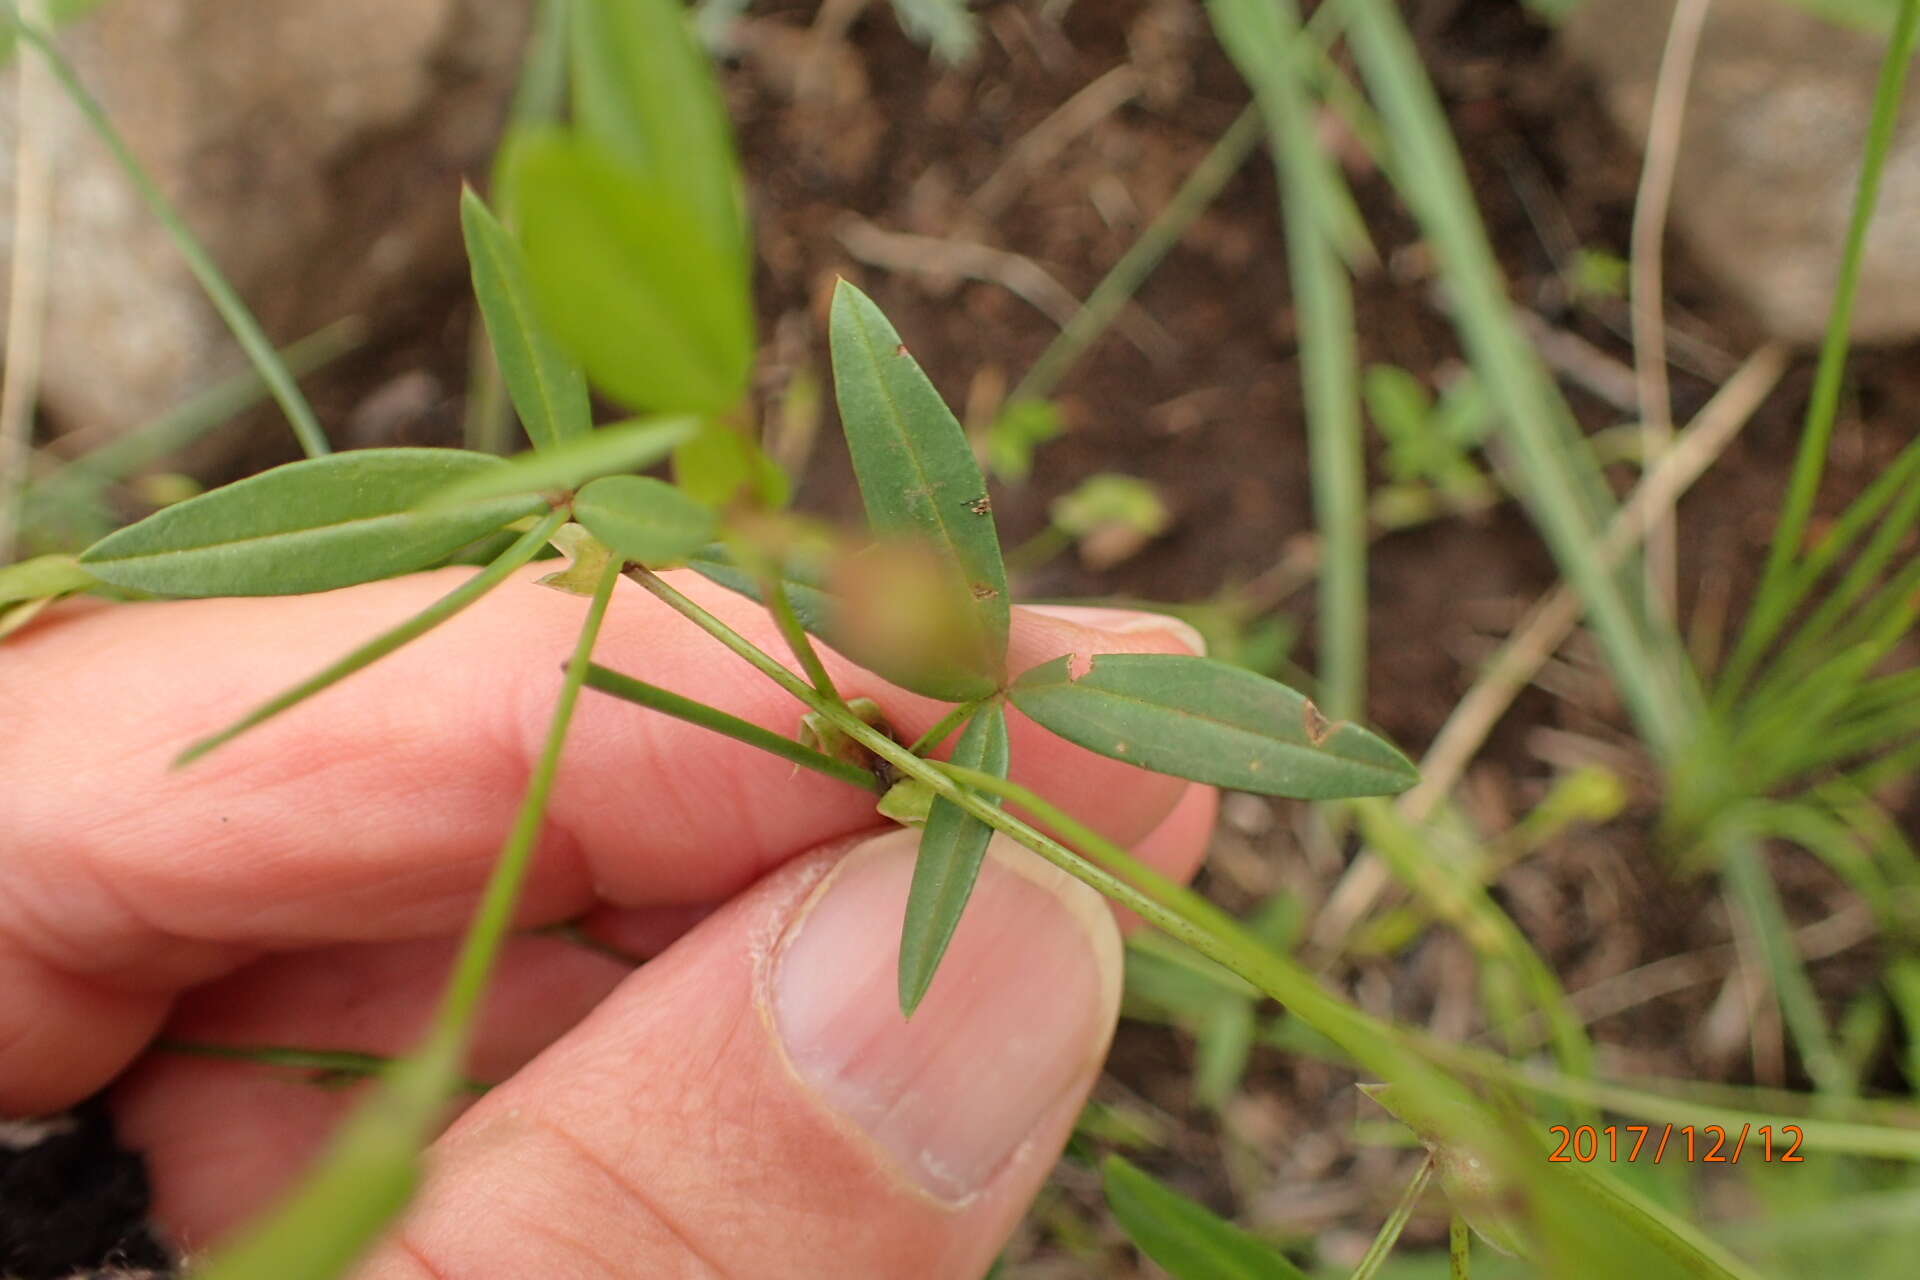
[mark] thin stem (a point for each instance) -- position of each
(1459, 1249)
(334, 1062)
(1823, 407)
(1648, 292)
(773, 589)
(494, 918)
(246, 330)
(523, 549)
(1389, 1236)
(948, 723)
(669, 703)
(1126, 276)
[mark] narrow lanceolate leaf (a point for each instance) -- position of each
(308, 526)
(916, 471)
(643, 89)
(951, 848)
(549, 391)
(1185, 1237)
(1200, 719)
(650, 299)
(644, 519)
(608, 451)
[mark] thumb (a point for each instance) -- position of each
(752, 1103)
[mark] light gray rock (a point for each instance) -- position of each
(1770, 155)
(316, 148)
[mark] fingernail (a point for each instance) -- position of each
(1123, 622)
(1009, 1035)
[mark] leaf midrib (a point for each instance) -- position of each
(1226, 725)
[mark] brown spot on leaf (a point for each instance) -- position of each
(981, 591)
(1120, 748)
(901, 350)
(1316, 725)
(981, 505)
(1077, 666)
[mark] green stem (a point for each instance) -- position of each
(1126, 276)
(239, 320)
(1743, 868)
(1389, 1235)
(662, 700)
(1823, 407)
(494, 919)
(948, 723)
(773, 589)
(523, 549)
(334, 1062)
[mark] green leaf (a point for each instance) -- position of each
(643, 89)
(608, 451)
(523, 549)
(951, 848)
(916, 471)
(652, 300)
(644, 519)
(308, 526)
(722, 466)
(43, 577)
(548, 389)
(811, 604)
(1184, 1237)
(1201, 719)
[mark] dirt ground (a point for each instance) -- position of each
(867, 138)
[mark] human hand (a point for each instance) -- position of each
(750, 1103)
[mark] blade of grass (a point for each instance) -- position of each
(1752, 893)
(1823, 406)
(1389, 1234)
(1760, 631)
(1125, 277)
(523, 549)
(1465, 904)
(1563, 489)
(655, 698)
(1265, 40)
(245, 329)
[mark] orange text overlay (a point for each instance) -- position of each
(1702, 1144)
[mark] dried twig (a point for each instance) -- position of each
(1019, 275)
(1647, 281)
(1037, 148)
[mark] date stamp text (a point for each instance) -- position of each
(1702, 1144)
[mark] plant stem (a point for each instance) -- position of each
(948, 723)
(523, 549)
(494, 919)
(1389, 1235)
(669, 703)
(246, 330)
(333, 1062)
(1823, 406)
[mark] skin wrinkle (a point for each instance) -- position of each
(631, 1189)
